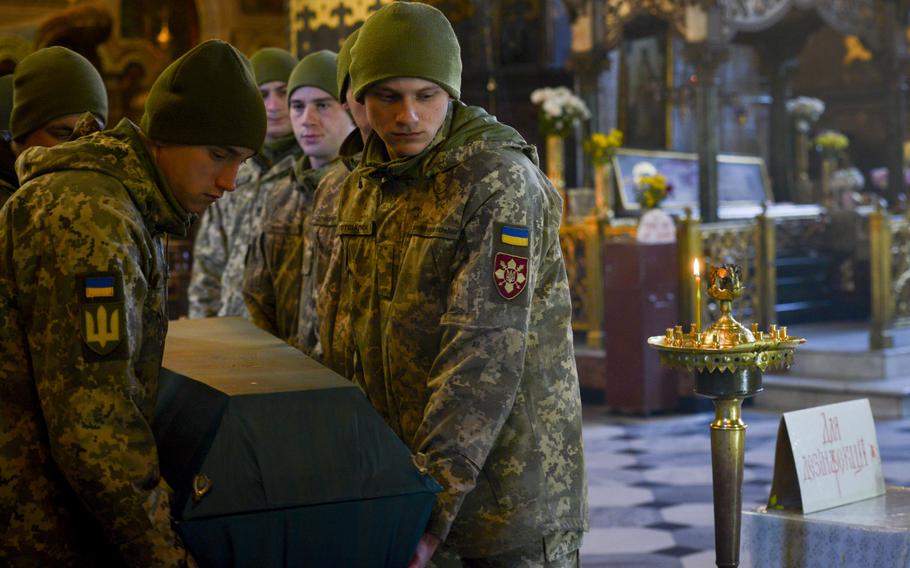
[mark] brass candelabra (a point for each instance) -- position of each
(727, 360)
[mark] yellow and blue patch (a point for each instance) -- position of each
(515, 236)
(99, 287)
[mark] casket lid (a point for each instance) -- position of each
(267, 427)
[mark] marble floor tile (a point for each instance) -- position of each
(691, 514)
(650, 492)
(613, 496)
(625, 540)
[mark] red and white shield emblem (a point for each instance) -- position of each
(510, 274)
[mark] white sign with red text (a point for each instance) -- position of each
(835, 454)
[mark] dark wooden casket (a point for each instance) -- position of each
(277, 461)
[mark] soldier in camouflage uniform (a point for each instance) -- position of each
(52, 89)
(284, 261)
(8, 179)
(83, 315)
(453, 309)
(226, 229)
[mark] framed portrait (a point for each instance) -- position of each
(645, 74)
(741, 180)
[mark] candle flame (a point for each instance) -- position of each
(696, 269)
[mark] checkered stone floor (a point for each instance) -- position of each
(649, 484)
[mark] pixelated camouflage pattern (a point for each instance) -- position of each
(79, 477)
(6, 191)
(281, 264)
(227, 229)
(484, 390)
(87, 124)
(8, 180)
(555, 550)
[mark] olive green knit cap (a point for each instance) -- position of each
(344, 63)
(6, 100)
(272, 64)
(207, 97)
(316, 70)
(54, 82)
(406, 39)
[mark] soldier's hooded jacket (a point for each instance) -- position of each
(82, 327)
(449, 304)
(227, 228)
(8, 180)
(289, 257)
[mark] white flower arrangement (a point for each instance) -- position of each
(847, 179)
(559, 110)
(805, 110)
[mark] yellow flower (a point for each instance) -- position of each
(602, 146)
(831, 142)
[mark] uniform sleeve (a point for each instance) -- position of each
(95, 406)
(210, 256)
(475, 377)
(258, 285)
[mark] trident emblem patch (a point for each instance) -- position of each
(510, 274)
(101, 327)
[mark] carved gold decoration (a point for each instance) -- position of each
(855, 50)
(617, 13)
(333, 14)
(900, 270)
(85, 24)
(576, 250)
(723, 242)
(889, 241)
(862, 18)
(582, 247)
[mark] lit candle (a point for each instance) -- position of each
(696, 270)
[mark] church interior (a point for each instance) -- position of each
(763, 141)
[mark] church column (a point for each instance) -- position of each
(895, 49)
(707, 53)
(781, 156)
(707, 116)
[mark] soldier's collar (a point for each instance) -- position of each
(170, 216)
(377, 164)
(273, 152)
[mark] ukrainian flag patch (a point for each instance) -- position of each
(99, 287)
(515, 236)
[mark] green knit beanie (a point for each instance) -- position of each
(316, 70)
(406, 39)
(54, 82)
(272, 64)
(207, 97)
(344, 63)
(6, 100)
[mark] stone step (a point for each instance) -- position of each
(840, 351)
(889, 398)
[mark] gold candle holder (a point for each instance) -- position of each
(727, 360)
(696, 269)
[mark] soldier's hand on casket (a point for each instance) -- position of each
(426, 546)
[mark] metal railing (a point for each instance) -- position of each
(751, 244)
(889, 262)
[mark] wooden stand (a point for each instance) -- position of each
(640, 300)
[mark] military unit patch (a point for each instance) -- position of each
(510, 274)
(102, 319)
(102, 326)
